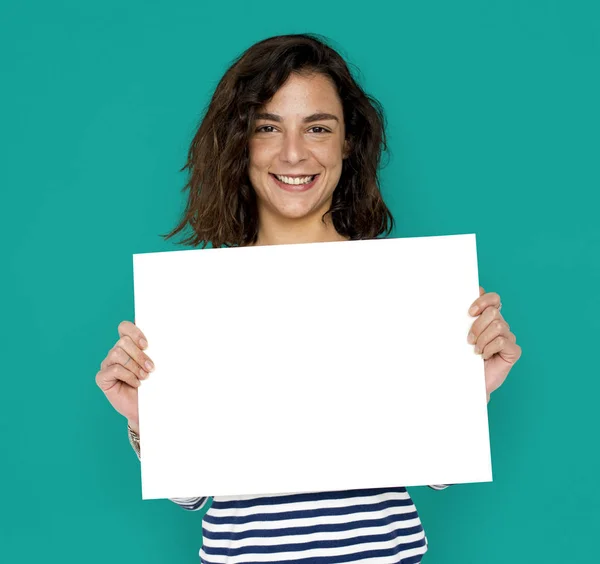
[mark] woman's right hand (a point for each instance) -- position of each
(121, 371)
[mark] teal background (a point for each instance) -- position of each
(493, 125)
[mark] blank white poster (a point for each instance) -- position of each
(311, 367)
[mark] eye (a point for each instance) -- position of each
(262, 129)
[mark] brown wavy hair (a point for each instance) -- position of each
(221, 207)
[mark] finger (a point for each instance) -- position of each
(497, 328)
(510, 352)
(495, 346)
(142, 360)
(483, 302)
(481, 291)
(109, 376)
(489, 316)
(126, 328)
(118, 355)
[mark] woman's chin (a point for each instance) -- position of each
(294, 206)
(293, 212)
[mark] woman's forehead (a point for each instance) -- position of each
(302, 96)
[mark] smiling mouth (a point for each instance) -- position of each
(295, 184)
(295, 180)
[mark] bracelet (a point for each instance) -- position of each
(134, 440)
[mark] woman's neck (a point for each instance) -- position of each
(282, 231)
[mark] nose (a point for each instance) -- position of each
(293, 149)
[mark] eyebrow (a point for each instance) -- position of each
(319, 116)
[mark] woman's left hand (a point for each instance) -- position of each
(492, 339)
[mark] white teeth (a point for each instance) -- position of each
(290, 180)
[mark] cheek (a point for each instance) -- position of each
(329, 154)
(254, 156)
(261, 154)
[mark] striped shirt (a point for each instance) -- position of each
(378, 526)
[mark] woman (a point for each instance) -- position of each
(288, 152)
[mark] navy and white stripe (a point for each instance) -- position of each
(375, 525)
(378, 526)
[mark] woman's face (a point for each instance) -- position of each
(298, 135)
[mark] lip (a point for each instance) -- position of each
(295, 187)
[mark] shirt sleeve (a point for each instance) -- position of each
(191, 503)
(187, 503)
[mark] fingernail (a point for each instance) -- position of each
(477, 351)
(473, 310)
(143, 375)
(471, 338)
(149, 366)
(143, 343)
